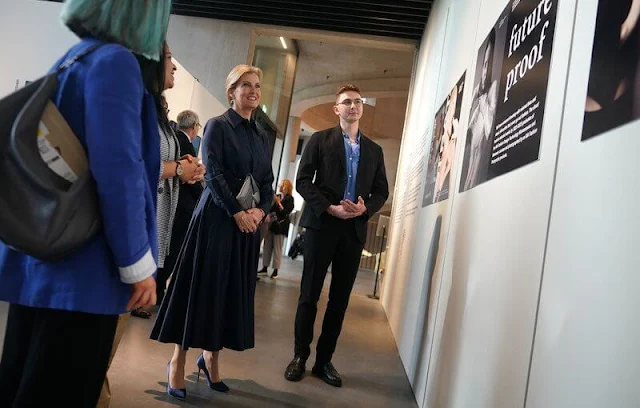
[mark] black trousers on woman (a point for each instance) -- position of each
(54, 357)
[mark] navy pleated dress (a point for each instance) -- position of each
(209, 303)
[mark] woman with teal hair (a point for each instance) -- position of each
(63, 314)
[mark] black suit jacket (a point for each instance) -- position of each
(324, 158)
(189, 193)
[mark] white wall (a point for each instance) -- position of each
(477, 345)
(179, 97)
(188, 93)
(391, 150)
(404, 287)
(588, 334)
(209, 48)
(205, 104)
(33, 39)
(43, 39)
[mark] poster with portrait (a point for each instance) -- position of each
(613, 93)
(442, 152)
(509, 94)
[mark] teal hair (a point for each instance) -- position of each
(139, 25)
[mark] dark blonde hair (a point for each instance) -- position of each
(235, 75)
(347, 88)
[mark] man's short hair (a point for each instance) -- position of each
(347, 88)
(187, 119)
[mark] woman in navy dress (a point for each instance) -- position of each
(210, 300)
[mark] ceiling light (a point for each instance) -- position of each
(369, 101)
(284, 44)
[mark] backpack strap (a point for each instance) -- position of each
(70, 61)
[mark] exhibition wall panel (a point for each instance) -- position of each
(586, 343)
(482, 298)
(498, 232)
(404, 291)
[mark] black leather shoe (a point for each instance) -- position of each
(327, 372)
(140, 312)
(295, 369)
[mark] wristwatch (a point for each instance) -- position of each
(179, 169)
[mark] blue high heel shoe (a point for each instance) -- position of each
(174, 392)
(216, 386)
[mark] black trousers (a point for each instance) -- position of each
(54, 357)
(340, 247)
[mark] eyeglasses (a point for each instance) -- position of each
(349, 102)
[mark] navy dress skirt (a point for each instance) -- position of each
(209, 303)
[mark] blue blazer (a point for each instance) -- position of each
(103, 100)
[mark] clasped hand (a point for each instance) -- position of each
(143, 294)
(348, 209)
(193, 170)
(249, 220)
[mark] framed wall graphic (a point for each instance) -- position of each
(442, 152)
(613, 93)
(510, 88)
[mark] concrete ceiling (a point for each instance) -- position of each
(380, 73)
(323, 62)
(383, 121)
(399, 19)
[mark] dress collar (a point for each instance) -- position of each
(235, 119)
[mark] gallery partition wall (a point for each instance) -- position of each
(520, 140)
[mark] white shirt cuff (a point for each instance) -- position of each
(140, 270)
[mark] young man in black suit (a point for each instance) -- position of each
(350, 187)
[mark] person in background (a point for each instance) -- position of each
(176, 167)
(278, 228)
(343, 181)
(187, 126)
(63, 315)
(196, 141)
(210, 300)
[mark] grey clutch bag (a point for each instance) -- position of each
(249, 195)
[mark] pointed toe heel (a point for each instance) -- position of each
(216, 386)
(179, 393)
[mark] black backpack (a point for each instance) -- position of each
(41, 213)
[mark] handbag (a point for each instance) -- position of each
(249, 195)
(41, 213)
(277, 225)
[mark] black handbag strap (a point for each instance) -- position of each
(72, 60)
